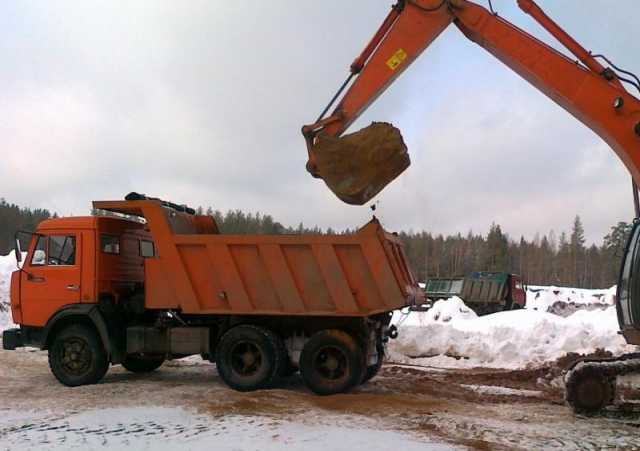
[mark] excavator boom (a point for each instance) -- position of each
(357, 166)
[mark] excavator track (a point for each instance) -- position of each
(591, 383)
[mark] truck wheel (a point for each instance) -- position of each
(137, 364)
(332, 362)
(373, 370)
(283, 366)
(77, 356)
(248, 358)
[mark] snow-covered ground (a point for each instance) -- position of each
(161, 428)
(452, 335)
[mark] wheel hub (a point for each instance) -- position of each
(331, 363)
(76, 356)
(246, 358)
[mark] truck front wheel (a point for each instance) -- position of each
(249, 358)
(332, 362)
(77, 356)
(138, 364)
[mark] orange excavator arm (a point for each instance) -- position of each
(356, 167)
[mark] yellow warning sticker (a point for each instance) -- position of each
(396, 59)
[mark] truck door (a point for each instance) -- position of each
(51, 276)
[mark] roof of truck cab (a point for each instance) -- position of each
(77, 222)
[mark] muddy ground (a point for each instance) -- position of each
(473, 408)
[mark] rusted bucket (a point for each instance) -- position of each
(358, 166)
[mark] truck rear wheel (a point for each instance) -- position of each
(77, 356)
(332, 362)
(249, 358)
(139, 364)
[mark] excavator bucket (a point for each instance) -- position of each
(358, 166)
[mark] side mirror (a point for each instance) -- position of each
(17, 250)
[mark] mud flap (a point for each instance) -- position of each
(358, 166)
(12, 339)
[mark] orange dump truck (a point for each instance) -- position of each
(163, 283)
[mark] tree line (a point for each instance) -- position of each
(14, 218)
(549, 259)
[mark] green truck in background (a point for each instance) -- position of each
(483, 291)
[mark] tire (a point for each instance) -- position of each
(77, 356)
(332, 362)
(283, 363)
(589, 391)
(137, 364)
(249, 358)
(373, 370)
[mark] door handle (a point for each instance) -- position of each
(73, 287)
(32, 278)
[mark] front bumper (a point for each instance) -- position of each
(12, 339)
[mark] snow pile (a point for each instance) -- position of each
(450, 334)
(441, 311)
(7, 266)
(565, 301)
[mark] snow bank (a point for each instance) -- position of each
(7, 266)
(450, 334)
(543, 298)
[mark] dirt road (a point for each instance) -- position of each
(430, 408)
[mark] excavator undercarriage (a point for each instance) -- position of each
(591, 383)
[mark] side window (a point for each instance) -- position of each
(62, 250)
(147, 249)
(40, 252)
(110, 244)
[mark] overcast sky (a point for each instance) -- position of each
(201, 102)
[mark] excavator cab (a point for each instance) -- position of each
(628, 294)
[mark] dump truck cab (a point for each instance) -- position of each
(78, 260)
(151, 280)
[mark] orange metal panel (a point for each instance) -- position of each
(233, 289)
(159, 293)
(308, 279)
(382, 272)
(255, 277)
(359, 277)
(205, 282)
(334, 277)
(282, 276)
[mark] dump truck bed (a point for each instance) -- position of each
(199, 271)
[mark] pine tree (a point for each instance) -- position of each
(577, 250)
